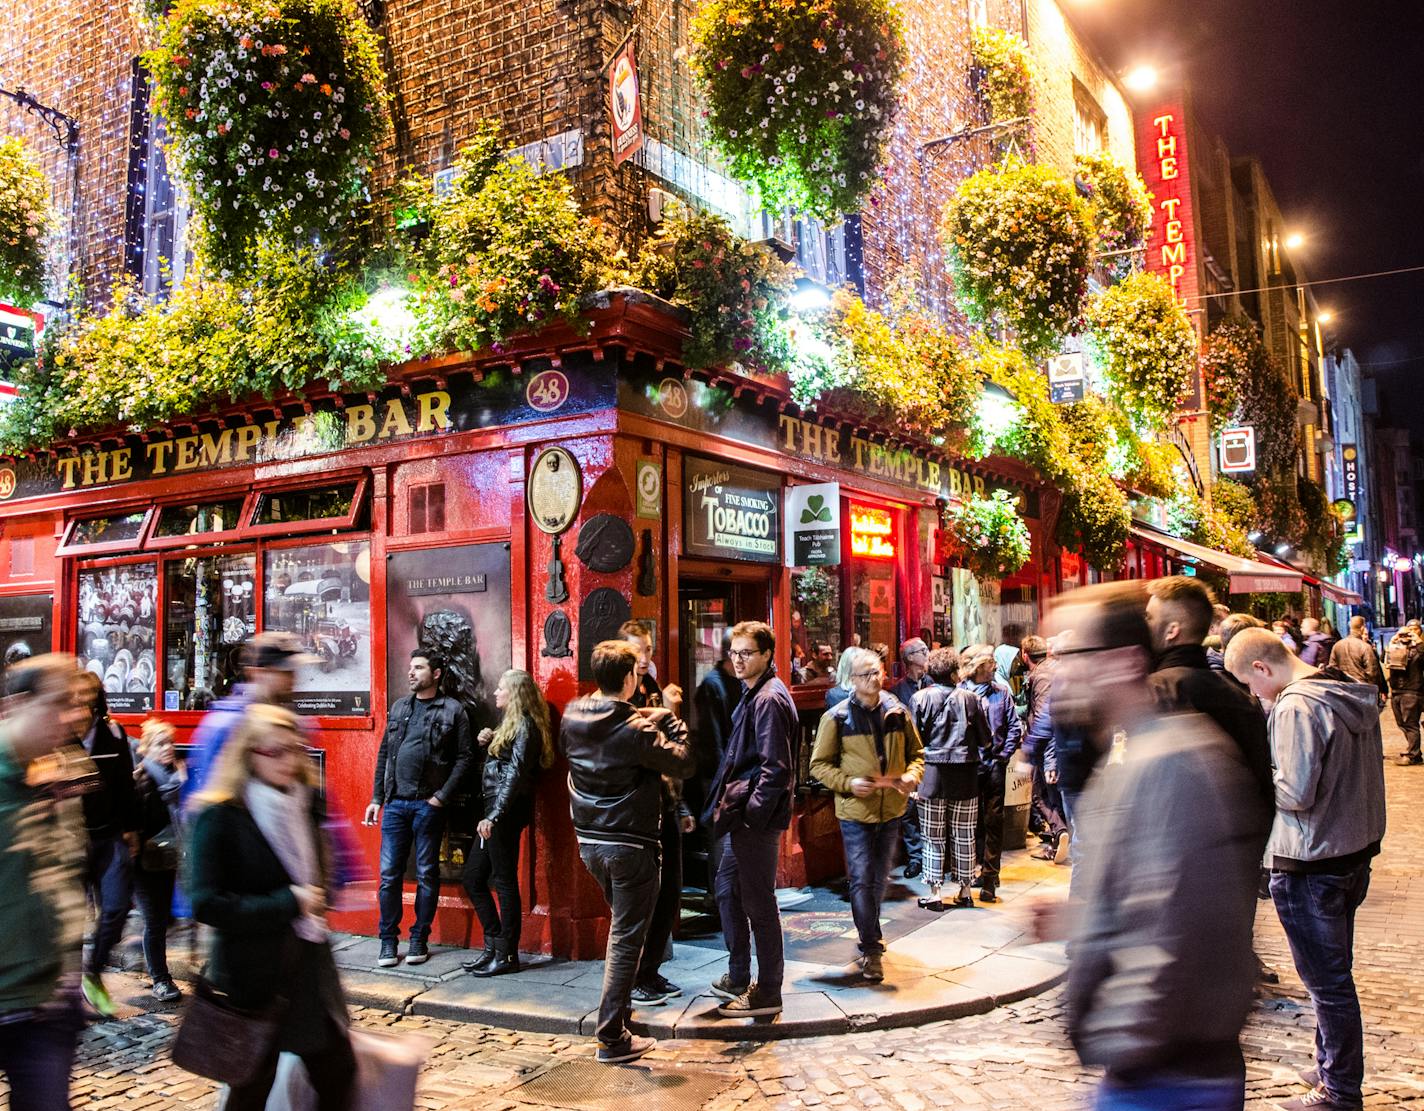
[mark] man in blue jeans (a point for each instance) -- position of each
(1330, 818)
(421, 763)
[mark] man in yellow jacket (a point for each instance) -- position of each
(869, 753)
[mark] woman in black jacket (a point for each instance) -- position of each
(518, 748)
(259, 872)
(158, 780)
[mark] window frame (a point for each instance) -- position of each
(347, 522)
(200, 539)
(67, 546)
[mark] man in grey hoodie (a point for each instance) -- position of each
(1330, 816)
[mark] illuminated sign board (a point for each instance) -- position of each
(1238, 449)
(872, 533)
(1350, 460)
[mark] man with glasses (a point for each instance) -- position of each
(868, 752)
(914, 677)
(749, 806)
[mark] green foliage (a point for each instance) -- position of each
(1234, 504)
(734, 290)
(1019, 241)
(26, 220)
(1189, 517)
(813, 589)
(1003, 73)
(1144, 346)
(992, 539)
(274, 108)
(211, 343)
(1232, 356)
(1278, 507)
(1121, 205)
(800, 95)
(1095, 517)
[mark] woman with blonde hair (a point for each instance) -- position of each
(521, 744)
(259, 877)
(157, 782)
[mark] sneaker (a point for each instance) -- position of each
(390, 953)
(664, 985)
(97, 996)
(1060, 849)
(166, 991)
(645, 995)
(418, 952)
(727, 988)
(753, 1004)
(630, 1050)
(1317, 1099)
(1309, 1077)
(872, 968)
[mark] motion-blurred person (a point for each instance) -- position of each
(914, 676)
(1161, 976)
(42, 847)
(1316, 643)
(1037, 749)
(158, 782)
(110, 818)
(868, 752)
(640, 635)
(954, 732)
(270, 662)
(1405, 660)
(749, 807)
(1355, 655)
(617, 756)
(977, 670)
(1284, 630)
(1212, 643)
(516, 750)
(1330, 819)
(258, 878)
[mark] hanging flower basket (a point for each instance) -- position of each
(1231, 357)
(26, 219)
(991, 537)
(274, 108)
(800, 95)
(1020, 243)
(1003, 74)
(1122, 209)
(1144, 347)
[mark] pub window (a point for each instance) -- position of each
(111, 532)
(210, 608)
(329, 507)
(427, 507)
(815, 623)
(874, 544)
(1089, 122)
(115, 640)
(156, 249)
(198, 518)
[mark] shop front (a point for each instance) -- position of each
(510, 510)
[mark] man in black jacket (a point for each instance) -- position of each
(617, 757)
(420, 765)
(750, 806)
(1406, 685)
(110, 818)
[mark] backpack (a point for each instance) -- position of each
(1396, 656)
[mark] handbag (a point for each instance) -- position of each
(223, 1042)
(160, 852)
(386, 1071)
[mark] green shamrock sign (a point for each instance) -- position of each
(816, 510)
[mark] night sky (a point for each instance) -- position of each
(1329, 95)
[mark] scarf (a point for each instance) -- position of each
(284, 820)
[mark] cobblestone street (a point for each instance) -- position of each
(1012, 1057)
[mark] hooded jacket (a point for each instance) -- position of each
(1329, 778)
(848, 748)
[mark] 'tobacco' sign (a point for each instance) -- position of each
(730, 512)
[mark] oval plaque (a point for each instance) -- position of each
(555, 490)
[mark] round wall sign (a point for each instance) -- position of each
(555, 490)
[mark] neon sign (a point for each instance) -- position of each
(872, 533)
(1162, 158)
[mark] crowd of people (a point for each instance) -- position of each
(1180, 755)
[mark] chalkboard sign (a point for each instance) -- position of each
(730, 512)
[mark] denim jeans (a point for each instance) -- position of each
(154, 892)
(493, 866)
(910, 834)
(110, 882)
(629, 879)
(746, 903)
(403, 822)
(1318, 914)
(37, 1056)
(869, 853)
(1216, 1095)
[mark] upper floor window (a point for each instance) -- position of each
(979, 13)
(1089, 122)
(156, 250)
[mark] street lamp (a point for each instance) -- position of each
(1325, 317)
(1295, 241)
(1141, 78)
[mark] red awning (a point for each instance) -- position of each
(1336, 593)
(1248, 576)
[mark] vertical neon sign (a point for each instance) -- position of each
(1162, 160)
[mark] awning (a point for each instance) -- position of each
(1339, 594)
(1248, 576)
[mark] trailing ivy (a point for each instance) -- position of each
(26, 220)
(1144, 347)
(990, 537)
(1122, 209)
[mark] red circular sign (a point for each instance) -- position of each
(547, 391)
(7, 482)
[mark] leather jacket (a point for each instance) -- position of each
(617, 758)
(444, 740)
(507, 780)
(952, 725)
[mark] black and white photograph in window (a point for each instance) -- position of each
(26, 628)
(322, 594)
(209, 610)
(118, 622)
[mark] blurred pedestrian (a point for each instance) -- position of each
(953, 731)
(914, 676)
(42, 853)
(158, 783)
(749, 808)
(421, 765)
(1355, 655)
(1405, 659)
(1317, 643)
(868, 752)
(1330, 819)
(713, 704)
(516, 750)
(110, 818)
(977, 669)
(259, 880)
(617, 756)
(1162, 973)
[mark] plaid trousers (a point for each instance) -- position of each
(957, 819)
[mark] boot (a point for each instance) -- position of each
(506, 959)
(480, 963)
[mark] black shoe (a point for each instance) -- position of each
(479, 963)
(418, 952)
(502, 964)
(1404, 760)
(931, 902)
(727, 988)
(872, 968)
(664, 985)
(390, 953)
(987, 895)
(978, 881)
(913, 869)
(647, 995)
